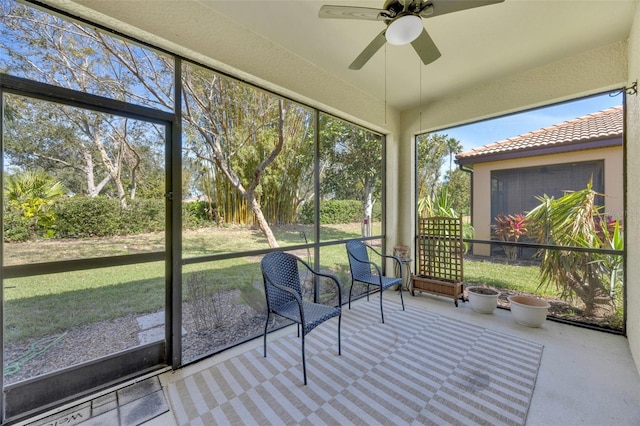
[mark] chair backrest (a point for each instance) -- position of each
(282, 269)
(356, 249)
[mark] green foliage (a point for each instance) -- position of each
(575, 220)
(90, 152)
(81, 217)
(467, 234)
(143, 215)
(30, 196)
(351, 160)
(437, 205)
(196, 214)
(337, 211)
(432, 150)
(510, 227)
(15, 229)
(458, 185)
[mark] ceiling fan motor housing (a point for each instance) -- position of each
(394, 8)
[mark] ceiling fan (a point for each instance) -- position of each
(404, 23)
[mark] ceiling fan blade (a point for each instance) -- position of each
(442, 7)
(369, 51)
(352, 12)
(426, 48)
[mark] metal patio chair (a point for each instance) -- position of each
(362, 270)
(284, 297)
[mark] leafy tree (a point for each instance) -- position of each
(238, 132)
(32, 194)
(431, 152)
(103, 148)
(454, 146)
(458, 185)
(351, 163)
(575, 220)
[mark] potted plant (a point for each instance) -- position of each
(483, 300)
(510, 227)
(528, 310)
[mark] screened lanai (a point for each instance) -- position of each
(304, 103)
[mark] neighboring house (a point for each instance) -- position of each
(509, 174)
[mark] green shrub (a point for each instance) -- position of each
(81, 217)
(196, 214)
(143, 215)
(16, 230)
(338, 211)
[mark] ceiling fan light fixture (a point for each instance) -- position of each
(404, 30)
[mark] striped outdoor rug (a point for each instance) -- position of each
(417, 368)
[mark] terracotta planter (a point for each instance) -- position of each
(529, 311)
(483, 300)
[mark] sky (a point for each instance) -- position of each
(494, 130)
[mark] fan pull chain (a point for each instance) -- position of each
(385, 83)
(420, 78)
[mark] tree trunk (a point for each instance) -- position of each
(368, 210)
(588, 287)
(262, 222)
(115, 170)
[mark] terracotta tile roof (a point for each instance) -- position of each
(603, 125)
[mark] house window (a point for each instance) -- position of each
(516, 190)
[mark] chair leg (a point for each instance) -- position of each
(266, 324)
(381, 312)
(304, 363)
(401, 298)
(339, 348)
(350, 294)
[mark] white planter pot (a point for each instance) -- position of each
(480, 301)
(529, 311)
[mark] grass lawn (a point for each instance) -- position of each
(41, 305)
(503, 275)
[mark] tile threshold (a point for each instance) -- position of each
(130, 405)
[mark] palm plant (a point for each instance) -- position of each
(575, 220)
(441, 205)
(437, 205)
(32, 193)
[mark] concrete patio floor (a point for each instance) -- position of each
(586, 377)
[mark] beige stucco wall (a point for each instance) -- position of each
(632, 233)
(613, 181)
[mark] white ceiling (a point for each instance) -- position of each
(477, 45)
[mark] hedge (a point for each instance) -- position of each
(80, 217)
(84, 217)
(338, 211)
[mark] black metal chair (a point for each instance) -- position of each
(284, 297)
(362, 271)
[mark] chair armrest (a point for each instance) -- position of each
(387, 256)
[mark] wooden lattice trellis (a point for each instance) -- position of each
(440, 254)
